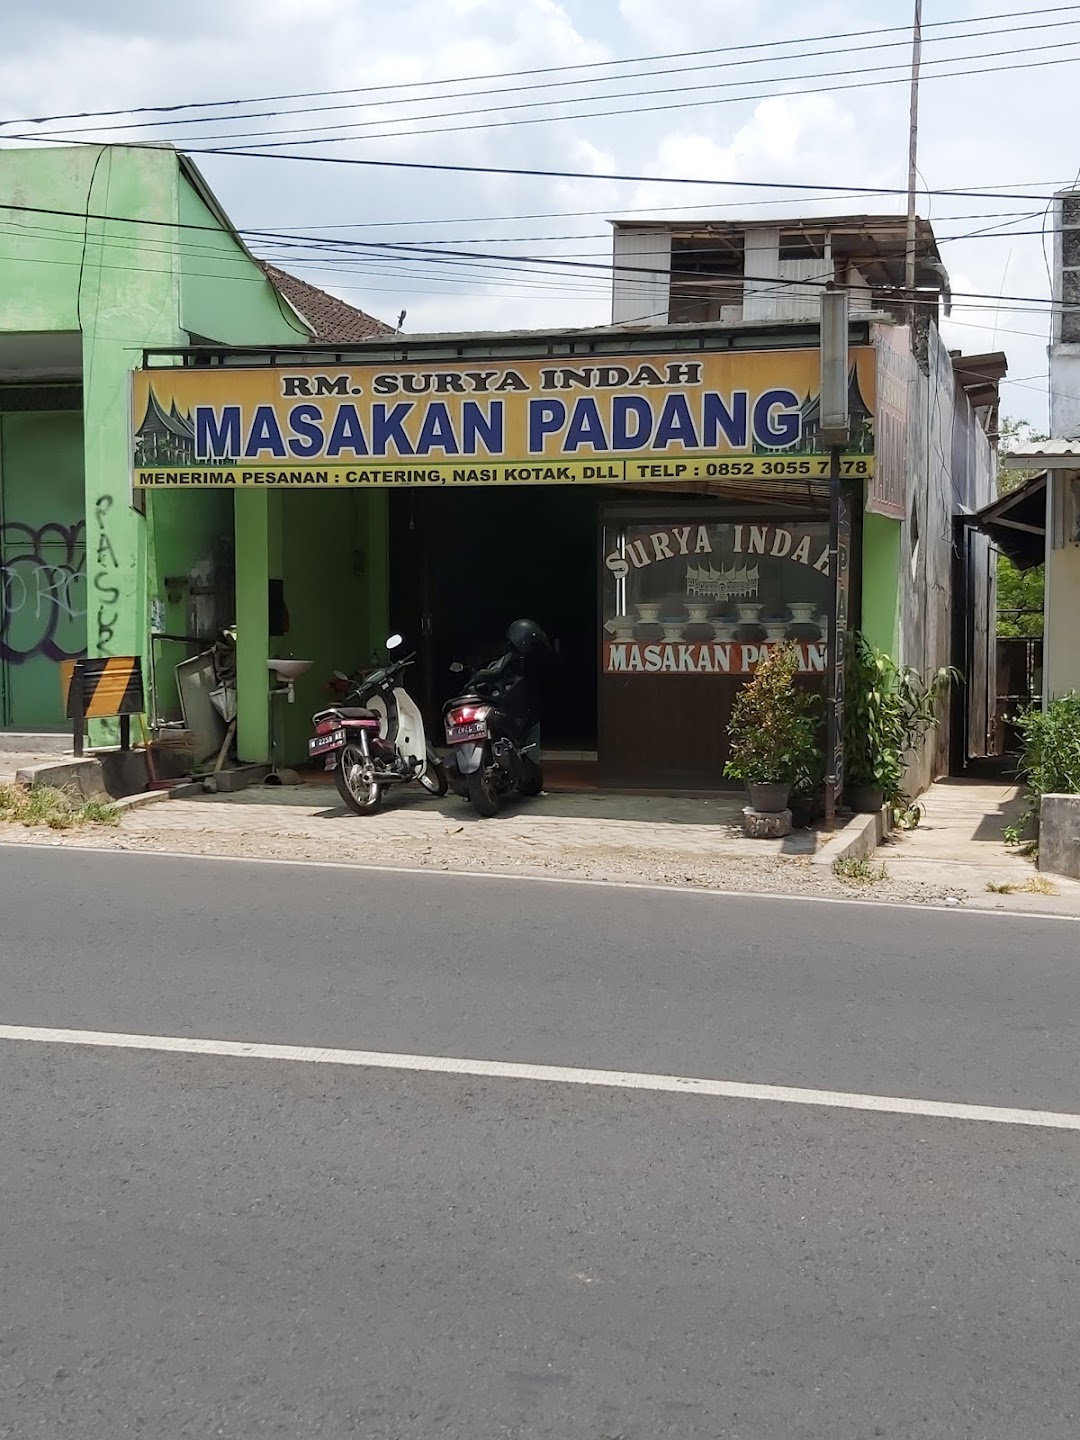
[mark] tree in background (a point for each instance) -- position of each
(1019, 591)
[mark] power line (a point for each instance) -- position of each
(411, 250)
(684, 251)
(583, 99)
(406, 250)
(627, 216)
(497, 285)
(536, 173)
(544, 266)
(439, 270)
(680, 104)
(510, 74)
(294, 236)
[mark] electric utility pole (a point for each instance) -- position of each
(913, 157)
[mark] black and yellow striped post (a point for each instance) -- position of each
(98, 688)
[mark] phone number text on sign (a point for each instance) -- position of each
(526, 472)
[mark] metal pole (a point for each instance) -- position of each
(913, 155)
(78, 709)
(833, 712)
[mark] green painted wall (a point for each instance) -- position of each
(253, 535)
(129, 298)
(116, 283)
(334, 571)
(42, 562)
(113, 287)
(185, 533)
(881, 585)
(40, 253)
(224, 295)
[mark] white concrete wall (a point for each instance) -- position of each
(1061, 643)
(1065, 392)
(641, 295)
(761, 267)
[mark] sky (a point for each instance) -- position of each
(753, 103)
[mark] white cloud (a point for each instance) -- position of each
(68, 56)
(692, 24)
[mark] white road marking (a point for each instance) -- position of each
(548, 1074)
(525, 877)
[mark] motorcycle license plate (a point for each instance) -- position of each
(476, 730)
(321, 743)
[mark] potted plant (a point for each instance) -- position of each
(807, 802)
(888, 711)
(773, 732)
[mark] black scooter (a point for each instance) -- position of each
(493, 726)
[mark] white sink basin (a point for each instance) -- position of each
(289, 669)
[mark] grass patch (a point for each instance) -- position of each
(53, 808)
(858, 872)
(1037, 885)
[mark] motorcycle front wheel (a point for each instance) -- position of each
(360, 796)
(532, 779)
(483, 796)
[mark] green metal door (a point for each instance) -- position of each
(42, 563)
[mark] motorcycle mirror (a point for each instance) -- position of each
(456, 668)
(340, 675)
(393, 641)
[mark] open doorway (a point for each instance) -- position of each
(463, 565)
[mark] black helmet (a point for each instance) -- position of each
(526, 637)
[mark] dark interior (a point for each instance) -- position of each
(464, 564)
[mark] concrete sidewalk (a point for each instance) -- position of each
(961, 839)
(20, 750)
(12, 761)
(655, 839)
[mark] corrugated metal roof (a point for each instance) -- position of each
(887, 228)
(1049, 454)
(1016, 522)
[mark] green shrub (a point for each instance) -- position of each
(44, 805)
(1050, 759)
(774, 726)
(888, 711)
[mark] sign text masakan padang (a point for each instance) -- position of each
(658, 417)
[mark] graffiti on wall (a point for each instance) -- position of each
(105, 587)
(42, 591)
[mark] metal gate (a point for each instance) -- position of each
(974, 599)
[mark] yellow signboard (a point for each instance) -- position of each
(637, 419)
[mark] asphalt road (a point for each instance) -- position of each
(212, 1246)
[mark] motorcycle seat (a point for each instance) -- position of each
(350, 712)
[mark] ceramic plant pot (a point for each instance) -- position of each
(805, 809)
(768, 797)
(864, 799)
